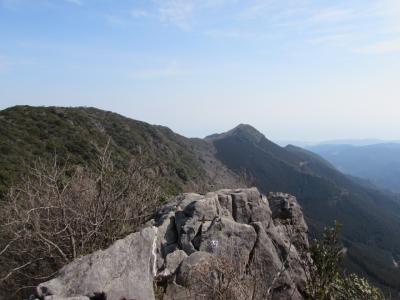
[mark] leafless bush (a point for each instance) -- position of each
(61, 212)
(219, 279)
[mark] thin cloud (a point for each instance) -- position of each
(382, 47)
(345, 24)
(331, 39)
(257, 9)
(125, 17)
(387, 8)
(236, 34)
(184, 13)
(178, 12)
(334, 14)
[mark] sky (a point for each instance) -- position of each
(294, 69)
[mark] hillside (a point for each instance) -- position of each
(378, 163)
(370, 218)
(77, 134)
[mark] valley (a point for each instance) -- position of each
(240, 157)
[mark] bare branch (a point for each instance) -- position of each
(62, 212)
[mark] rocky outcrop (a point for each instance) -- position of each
(125, 270)
(257, 239)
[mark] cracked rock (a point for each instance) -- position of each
(260, 237)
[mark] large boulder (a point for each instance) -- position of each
(236, 242)
(258, 237)
(228, 239)
(190, 265)
(123, 271)
(272, 268)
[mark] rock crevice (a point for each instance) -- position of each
(259, 236)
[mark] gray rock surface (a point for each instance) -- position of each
(190, 264)
(229, 239)
(257, 239)
(173, 261)
(122, 271)
(261, 237)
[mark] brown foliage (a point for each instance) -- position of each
(61, 212)
(220, 279)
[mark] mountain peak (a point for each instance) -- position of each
(243, 130)
(247, 131)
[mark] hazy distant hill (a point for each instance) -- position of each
(357, 142)
(371, 218)
(379, 163)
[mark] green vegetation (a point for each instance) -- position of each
(75, 134)
(371, 218)
(327, 281)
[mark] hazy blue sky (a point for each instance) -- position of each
(295, 69)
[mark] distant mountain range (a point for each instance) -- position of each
(378, 163)
(359, 142)
(352, 142)
(370, 217)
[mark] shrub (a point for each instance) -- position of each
(326, 280)
(61, 212)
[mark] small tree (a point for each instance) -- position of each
(326, 280)
(357, 288)
(323, 269)
(61, 212)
